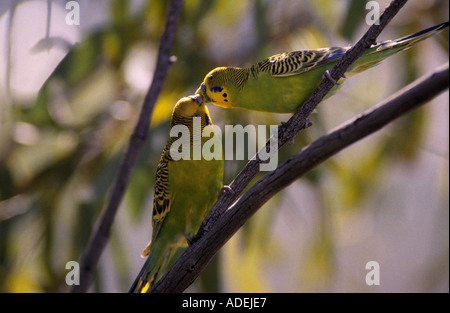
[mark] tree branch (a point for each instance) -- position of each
(286, 132)
(100, 236)
(197, 256)
(298, 121)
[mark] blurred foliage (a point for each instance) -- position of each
(60, 150)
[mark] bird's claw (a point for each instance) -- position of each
(227, 189)
(328, 75)
(308, 123)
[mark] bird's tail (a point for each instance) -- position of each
(149, 271)
(159, 258)
(381, 51)
(408, 41)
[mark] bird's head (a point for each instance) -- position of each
(217, 85)
(189, 107)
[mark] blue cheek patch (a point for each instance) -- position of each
(207, 121)
(216, 89)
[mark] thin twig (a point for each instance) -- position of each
(100, 236)
(186, 269)
(286, 132)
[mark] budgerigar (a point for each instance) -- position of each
(283, 82)
(185, 190)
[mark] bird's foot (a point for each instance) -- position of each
(308, 123)
(227, 189)
(328, 75)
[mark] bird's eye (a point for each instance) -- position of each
(211, 77)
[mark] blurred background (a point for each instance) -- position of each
(70, 96)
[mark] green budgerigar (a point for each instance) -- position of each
(186, 187)
(282, 83)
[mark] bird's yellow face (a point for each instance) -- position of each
(214, 88)
(189, 107)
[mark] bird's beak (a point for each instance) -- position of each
(202, 91)
(197, 98)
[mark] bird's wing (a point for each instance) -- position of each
(162, 201)
(294, 63)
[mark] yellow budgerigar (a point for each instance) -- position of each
(282, 83)
(186, 187)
